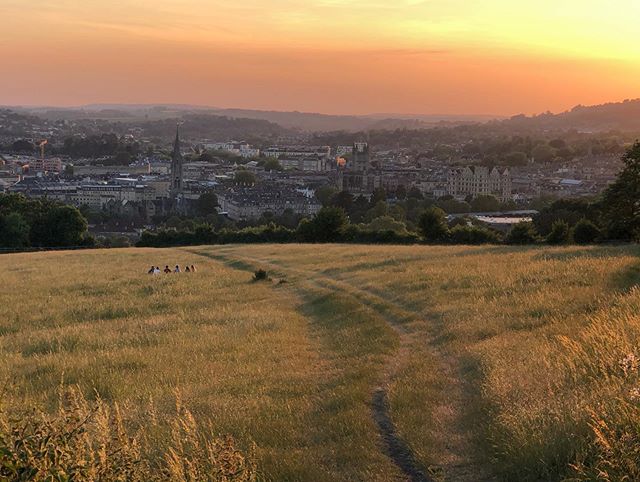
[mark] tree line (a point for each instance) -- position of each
(40, 223)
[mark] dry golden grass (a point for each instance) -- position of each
(512, 354)
(498, 362)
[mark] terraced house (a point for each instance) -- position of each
(479, 181)
(245, 203)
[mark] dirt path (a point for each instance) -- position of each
(455, 460)
(394, 446)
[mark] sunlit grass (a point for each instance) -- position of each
(497, 360)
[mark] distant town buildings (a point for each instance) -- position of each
(477, 181)
(155, 185)
(312, 164)
(50, 164)
(102, 170)
(241, 149)
(297, 152)
(243, 203)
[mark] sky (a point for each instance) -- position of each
(494, 57)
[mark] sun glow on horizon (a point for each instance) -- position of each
(342, 56)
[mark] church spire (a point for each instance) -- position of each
(176, 166)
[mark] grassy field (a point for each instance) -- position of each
(369, 363)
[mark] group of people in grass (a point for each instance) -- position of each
(167, 270)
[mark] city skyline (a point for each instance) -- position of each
(328, 56)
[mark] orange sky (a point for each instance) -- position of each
(335, 56)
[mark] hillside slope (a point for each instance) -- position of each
(368, 363)
(623, 116)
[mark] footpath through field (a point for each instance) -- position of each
(447, 448)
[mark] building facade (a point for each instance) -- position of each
(246, 203)
(49, 164)
(479, 181)
(297, 152)
(357, 176)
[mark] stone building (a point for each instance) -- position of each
(250, 202)
(479, 181)
(358, 177)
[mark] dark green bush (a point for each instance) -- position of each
(559, 232)
(433, 225)
(463, 234)
(585, 232)
(522, 233)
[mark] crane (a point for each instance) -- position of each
(43, 143)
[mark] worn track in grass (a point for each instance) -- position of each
(456, 466)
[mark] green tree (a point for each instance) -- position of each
(569, 210)
(380, 209)
(288, 218)
(585, 232)
(401, 192)
(14, 231)
(386, 223)
(414, 193)
(343, 200)
(465, 234)
(433, 224)
(327, 226)
(22, 145)
(621, 201)
(61, 226)
(397, 212)
(359, 209)
(379, 194)
(543, 153)
(272, 164)
(559, 232)
(325, 193)
(207, 203)
(453, 206)
(206, 156)
(245, 178)
(516, 159)
(485, 203)
(330, 224)
(522, 233)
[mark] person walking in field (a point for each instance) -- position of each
(177, 270)
(193, 269)
(157, 270)
(153, 268)
(167, 270)
(187, 270)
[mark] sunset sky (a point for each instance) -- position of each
(498, 57)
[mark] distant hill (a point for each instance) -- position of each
(215, 127)
(315, 122)
(623, 116)
(301, 121)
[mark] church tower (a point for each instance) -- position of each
(360, 157)
(177, 174)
